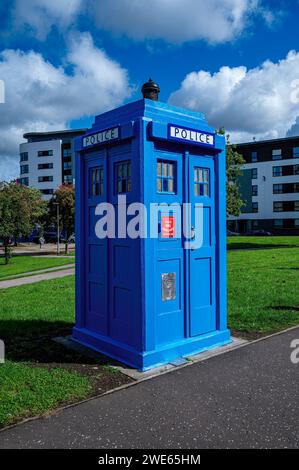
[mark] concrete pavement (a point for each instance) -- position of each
(245, 398)
(46, 276)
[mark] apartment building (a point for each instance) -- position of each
(47, 160)
(269, 187)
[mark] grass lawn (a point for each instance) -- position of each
(261, 242)
(24, 264)
(263, 290)
(39, 374)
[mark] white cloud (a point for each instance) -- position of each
(175, 21)
(40, 96)
(257, 102)
(41, 15)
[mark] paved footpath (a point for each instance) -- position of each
(45, 276)
(246, 398)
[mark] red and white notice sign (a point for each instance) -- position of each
(168, 227)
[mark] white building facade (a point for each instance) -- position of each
(269, 187)
(47, 160)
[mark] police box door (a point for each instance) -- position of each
(201, 257)
(96, 256)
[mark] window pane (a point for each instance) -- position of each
(196, 187)
(206, 176)
(159, 185)
(170, 186)
(206, 189)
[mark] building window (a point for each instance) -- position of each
(45, 166)
(43, 179)
(24, 157)
(24, 181)
(67, 153)
(68, 179)
(47, 191)
(45, 153)
(67, 166)
(254, 190)
(24, 169)
(296, 187)
(277, 171)
(296, 223)
(255, 224)
(201, 182)
(296, 206)
(254, 173)
(277, 188)
(277, 206)
(276, 154)
(166, 177)
(278, 223)
(296, 169)
(253, 157)
(296, 152)
(255, 207)
(96, 181)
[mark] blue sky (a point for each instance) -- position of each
(63, 61)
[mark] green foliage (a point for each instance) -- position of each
(20, 210)
(65, 197)
(234, 162)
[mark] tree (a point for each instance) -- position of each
(234, 162)
(65, 197)
(20, 209)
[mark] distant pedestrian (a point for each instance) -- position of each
(41, 242)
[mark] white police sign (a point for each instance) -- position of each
(192, 136)
(101, 137)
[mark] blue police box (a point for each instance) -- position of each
(160, 293)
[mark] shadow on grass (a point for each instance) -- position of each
(32, 341)
(281, 308)
(257, 246)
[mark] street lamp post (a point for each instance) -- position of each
(58, 230)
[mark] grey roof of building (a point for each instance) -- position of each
(66, 132)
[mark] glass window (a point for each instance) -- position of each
(254, 173)
(68, 179)
(24, 181)
(255, 207)
(254, 190)
(277, 171)
(24, 169)
(296, 222)
(296, 170)
(277, 206)
(123, 177)
(166, 177)
(296, 206)
(201, 182)
(254, 157)
(45, 166)
(277, 188)
(42, 179)
(296, 152)
(276, 154)
(278, 223)
(45, 153)
(96, 181)
(24, 157)
(47, 191)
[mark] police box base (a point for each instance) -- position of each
(150, 359)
